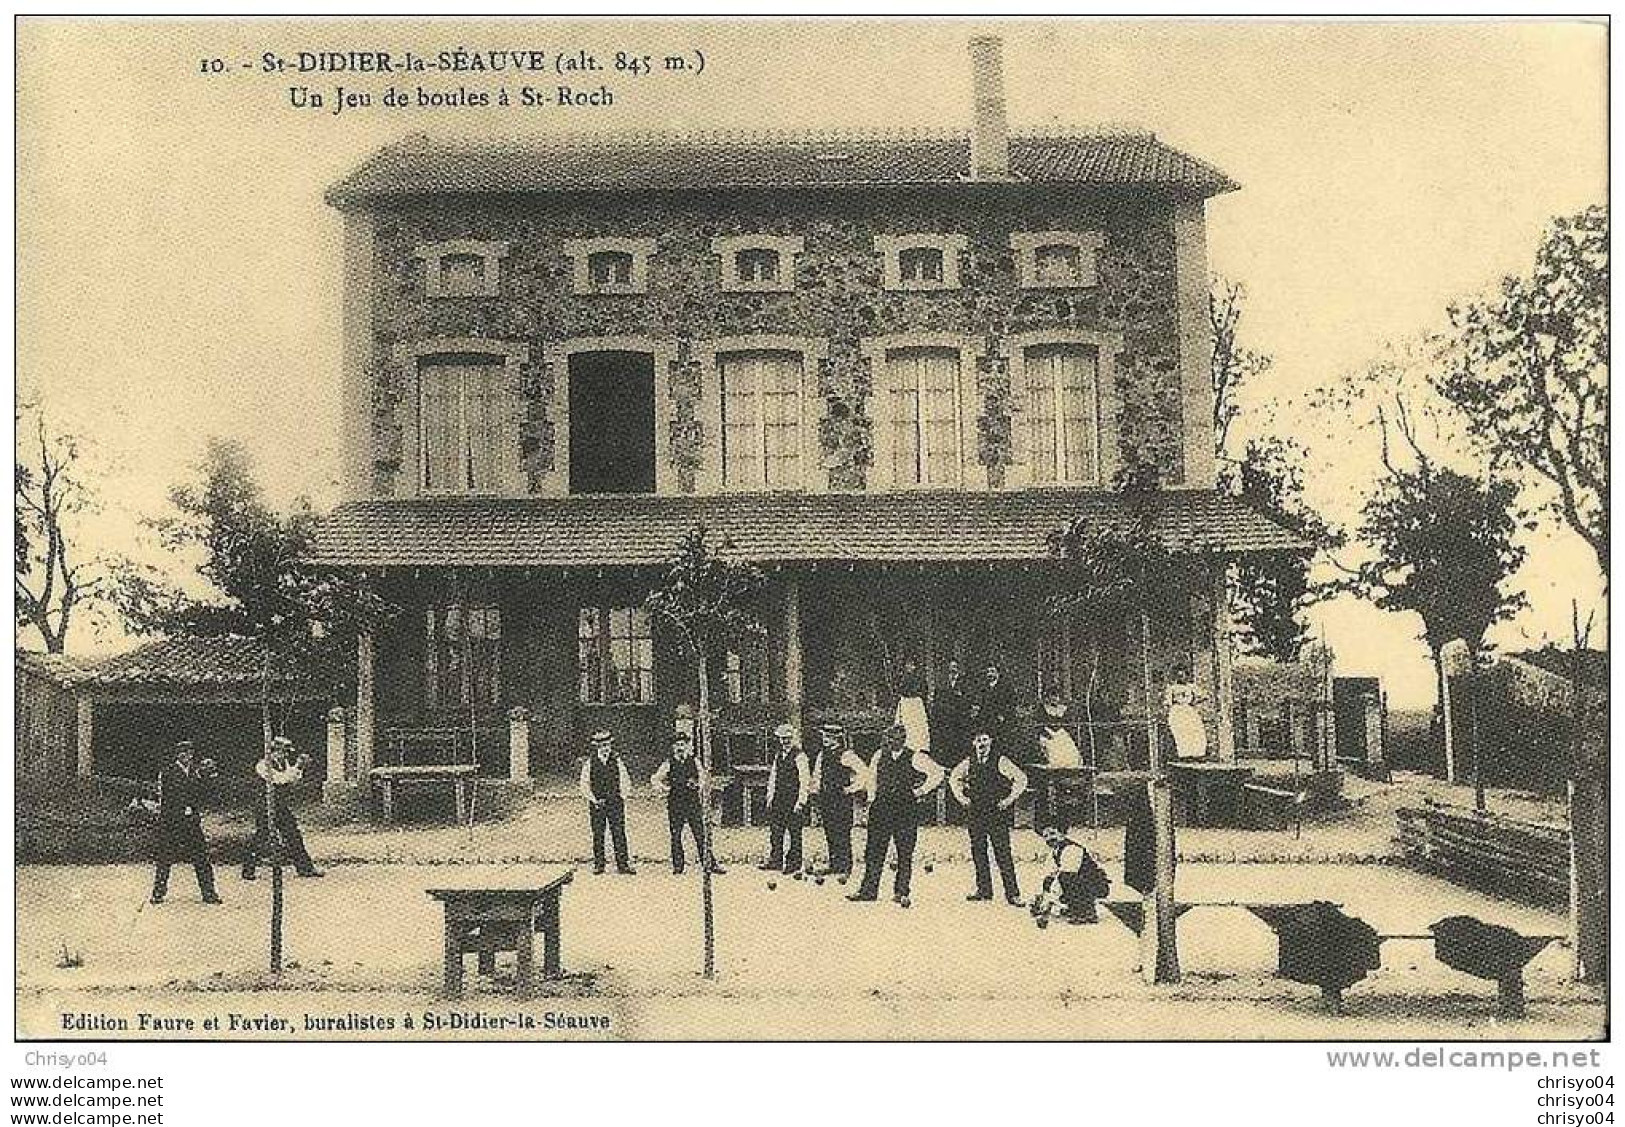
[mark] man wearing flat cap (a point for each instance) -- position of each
(837, 777)
(789, 783)
(605, 785)
(279, 772)
(178, 836)
(898, 779)
(681, 777)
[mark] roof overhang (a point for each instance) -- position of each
(788, 528)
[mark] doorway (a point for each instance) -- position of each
(612, 422)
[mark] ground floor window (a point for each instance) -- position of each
(616, 656)
(746, 673)
(464, 655)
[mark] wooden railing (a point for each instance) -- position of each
(1521, 860)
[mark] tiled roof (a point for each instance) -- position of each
(664, 162)
(914, 527)
(216, 661)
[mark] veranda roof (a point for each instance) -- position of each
(643, 530)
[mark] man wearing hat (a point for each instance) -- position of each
(280, 772)
(837, 775)
(789, 782)
(987, 785)
(898, 779)
(605, 785)
(178, 836)
(681, 777)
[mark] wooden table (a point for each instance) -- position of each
(459, 775)
(1196, 781)
(504, 913)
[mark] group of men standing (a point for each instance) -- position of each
(178, 830)
(895, 780)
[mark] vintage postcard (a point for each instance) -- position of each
(912, 529)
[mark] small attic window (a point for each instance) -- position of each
(610, 266)
(920, 265)
(462, 268)
(1057, 264)
(920, 262)
(462, 275)
(757, 263)
(1057, 260)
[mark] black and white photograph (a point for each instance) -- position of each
(913, 529)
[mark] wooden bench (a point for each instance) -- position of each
(459, 776)
(501, 914)
(1509, 980)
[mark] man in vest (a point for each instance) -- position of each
(898, 780)
(605, 785)
(680, 777)
(988, 784)
(789, 783)
(279, 772)
(837, 775)
(178, 835)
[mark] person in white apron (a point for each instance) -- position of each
(911, 712)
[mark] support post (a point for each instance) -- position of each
(792, 649)
(334, 784)
(518, 745)
(85, 756)
(365, 697)
(1224, 696)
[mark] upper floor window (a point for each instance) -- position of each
(1057, 259)
(757, 263)
(464, 650)
(615, 655)
(761, 419)
(1063, 412)
(758, 266)
(920, 265)
(462, 267)
(923, 385)
(460, 422)
(610, 266)
(920, 262)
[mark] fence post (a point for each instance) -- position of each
(336, 785)
(518, 745)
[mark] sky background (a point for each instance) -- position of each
(178, 270)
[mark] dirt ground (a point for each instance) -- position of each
(363, 947)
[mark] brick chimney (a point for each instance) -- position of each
(990, 134)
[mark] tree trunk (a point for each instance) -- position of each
(704, 740)
(271, 839)
(1446, 718)
(1162, 819)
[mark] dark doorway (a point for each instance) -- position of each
(612, 422)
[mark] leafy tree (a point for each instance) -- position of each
(1443, 544)
(1268, 594)
(706, 600)
(52, 579)
(1528, 370)
(263, 586)
(1133, 572)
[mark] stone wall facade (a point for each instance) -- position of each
(838, 299)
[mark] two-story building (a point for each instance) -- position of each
(887, 366)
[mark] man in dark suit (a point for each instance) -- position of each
(279, 771)
(178, 837)
(988, 785)
(951, 718)
(995, 708)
